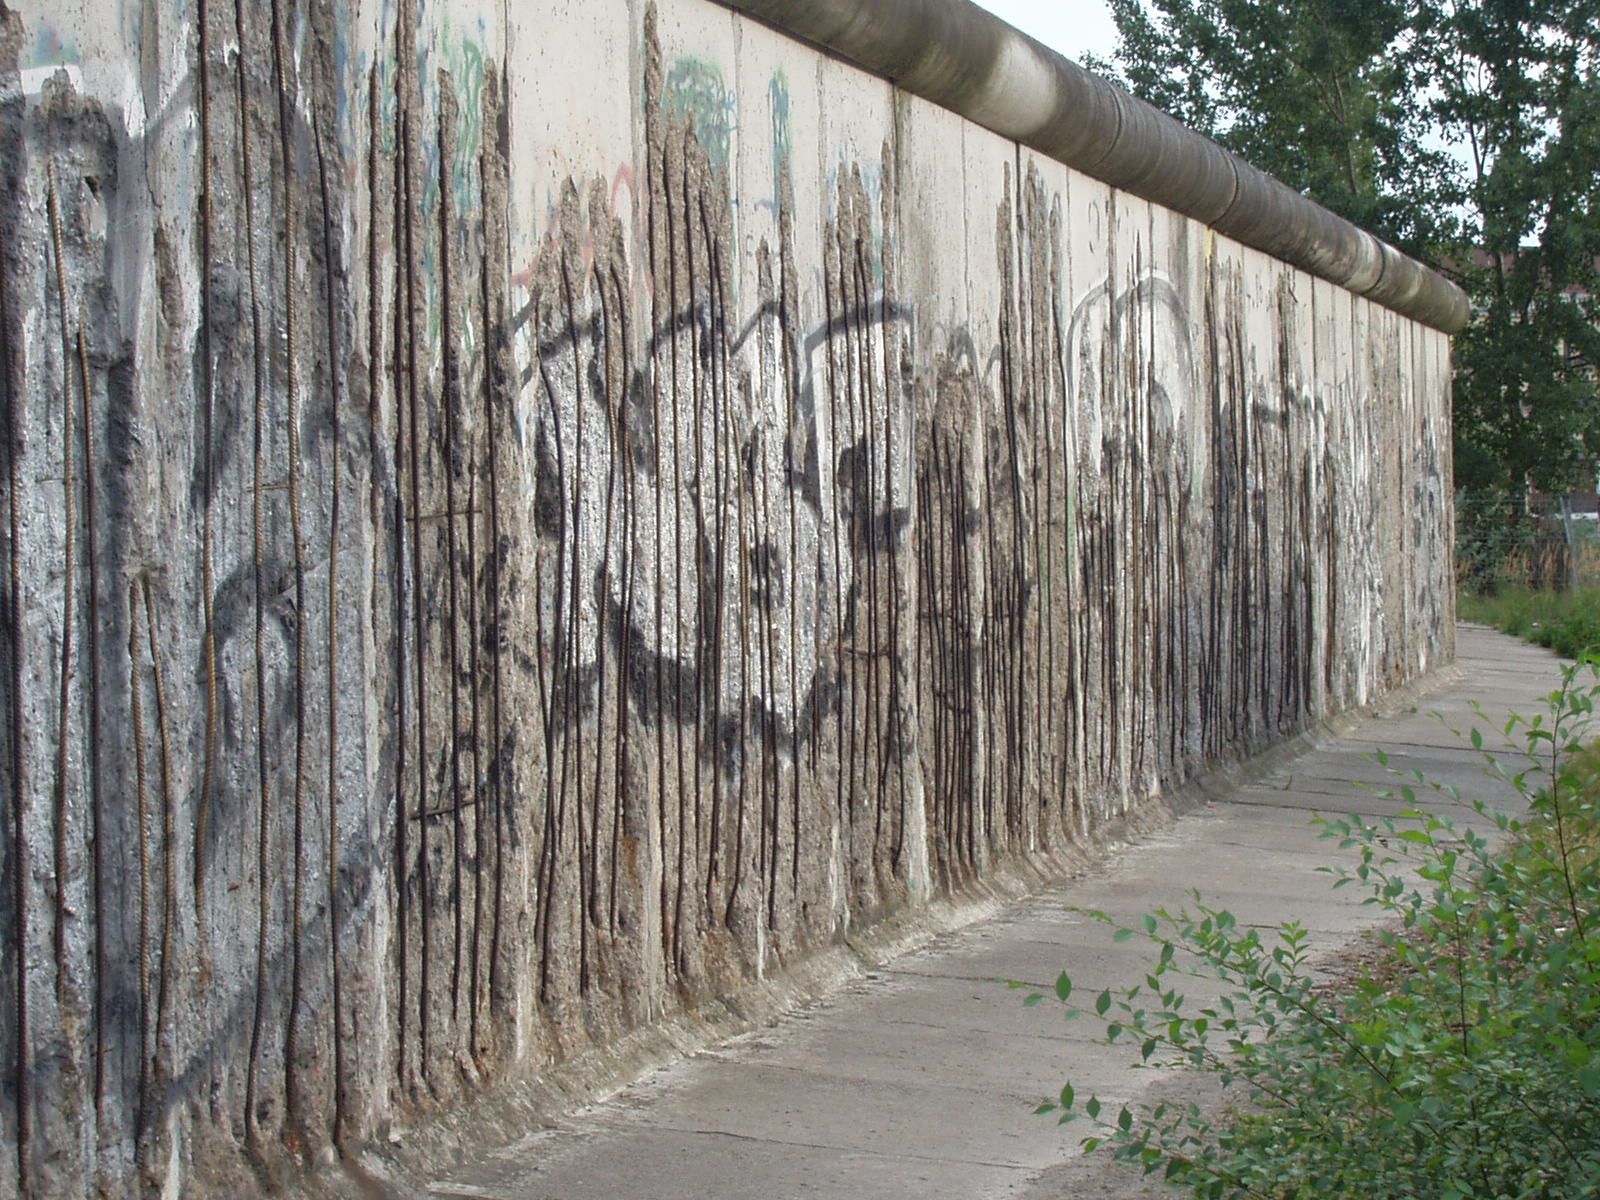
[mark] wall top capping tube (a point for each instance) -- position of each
(963, 58)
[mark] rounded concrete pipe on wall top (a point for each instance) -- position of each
(962, 57)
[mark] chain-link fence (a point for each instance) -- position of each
(1538, 542)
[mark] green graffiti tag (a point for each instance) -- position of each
(695, 92)
(778, 95)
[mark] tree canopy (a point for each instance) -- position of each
(1467, 132)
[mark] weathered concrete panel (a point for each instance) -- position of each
(522, 520)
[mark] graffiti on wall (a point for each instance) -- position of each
(512, 652)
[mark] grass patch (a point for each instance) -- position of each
(1567, 622)
(1462, 1060)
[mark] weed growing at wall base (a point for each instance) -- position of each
(1464, 1063)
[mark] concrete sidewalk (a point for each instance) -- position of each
(919, 1079)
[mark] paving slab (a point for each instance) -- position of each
(919, 1078)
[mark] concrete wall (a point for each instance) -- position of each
(522, 519)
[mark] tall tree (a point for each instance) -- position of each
(1465, 131)
(1518, 87)
(1320, 93)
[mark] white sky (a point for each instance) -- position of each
(1072, 27)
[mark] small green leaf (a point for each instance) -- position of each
(1063, 987)
(1102, 1003)
(1589, 1079)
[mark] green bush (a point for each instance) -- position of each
(1566, 622)
(1464, 1063)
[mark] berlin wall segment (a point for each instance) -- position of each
(519, 522)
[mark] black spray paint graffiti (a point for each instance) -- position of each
(724, 465)
(721, 508)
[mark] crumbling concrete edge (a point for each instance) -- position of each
(966, 59)
(416, 1157)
